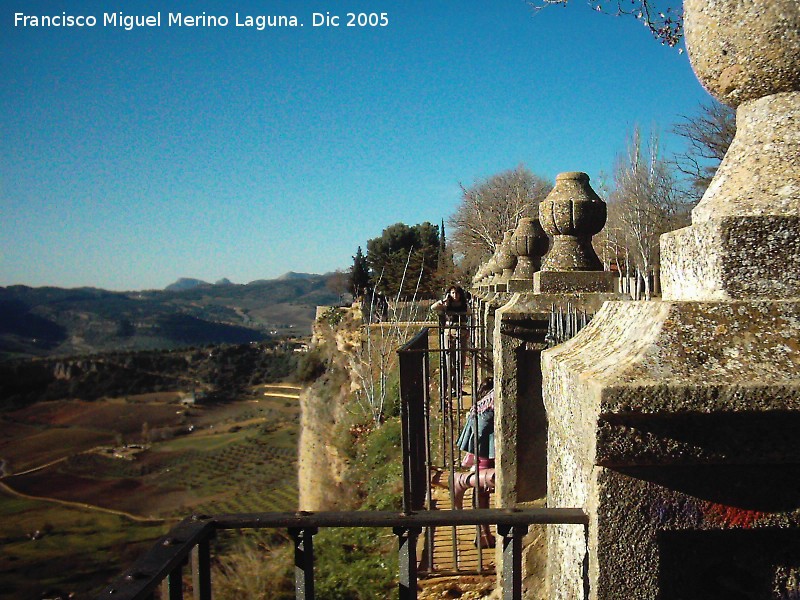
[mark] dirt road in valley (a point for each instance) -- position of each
(3, 473)
(7, 488)
(138, 518)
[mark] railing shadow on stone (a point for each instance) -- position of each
(189, 543)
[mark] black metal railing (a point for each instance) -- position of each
(189, 544)
(163, 568)
(417, 391)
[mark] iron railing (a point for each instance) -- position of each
(162, 568)
(417, 389)
(189, 543)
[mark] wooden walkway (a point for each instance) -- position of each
(462, 558)
(470, 559)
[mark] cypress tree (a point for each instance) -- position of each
(359, 273)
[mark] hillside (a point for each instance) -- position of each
(100, 454)
(87, 487)
(51, 321)
(212, 372)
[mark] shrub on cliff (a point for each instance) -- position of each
(311, 366)
(361, 563)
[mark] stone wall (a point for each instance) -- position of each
(673, 423)
(520, 294)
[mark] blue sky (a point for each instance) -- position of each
(132, 158)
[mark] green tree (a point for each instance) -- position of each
(359, 273)
(403, 259)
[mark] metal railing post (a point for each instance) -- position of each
(407, 540)
(303, 561)
(201, 571)
(428, 459)
(512, 560)
(163, 562)
(172, 587)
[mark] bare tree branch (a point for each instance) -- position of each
(491, 207)
(665, 25)
(645, 202)
(708, 134)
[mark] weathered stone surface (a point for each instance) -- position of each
(742, 438)
(519, 285)
(529, 243)
(572, 213)
(744, 50)
(539, 306)
(566, 282)
(520, 335)
(520, 329)
(672, 423)
(744, 241)
(695, 533)
(667, 370)
(506, 258)
(491, 302)
(732, 258)
(481, 275)
(681, 343)
(760, 174)
(666, 404)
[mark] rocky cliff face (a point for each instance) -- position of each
(322, 465)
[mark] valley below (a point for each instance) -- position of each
(121, 413)
(87, 486)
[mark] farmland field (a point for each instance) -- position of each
(87, 486)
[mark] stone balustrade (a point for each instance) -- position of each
(673, 423)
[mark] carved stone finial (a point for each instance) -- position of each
(497, 267)
(572, 213)
(529, 244)
(490, 269)
(506, 259)
(741, 51)
(745, 230)
(482, 274)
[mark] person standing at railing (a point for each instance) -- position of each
(454, 310)
(477, 436)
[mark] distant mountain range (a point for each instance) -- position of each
(55, 321)
(187, 283)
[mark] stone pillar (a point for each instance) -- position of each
(572, 213)
(478, 292)
(496, 264)
(493, 294)
(674, 424)
(494, 300)
(520, 335)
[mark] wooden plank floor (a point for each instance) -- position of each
(469, 558)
